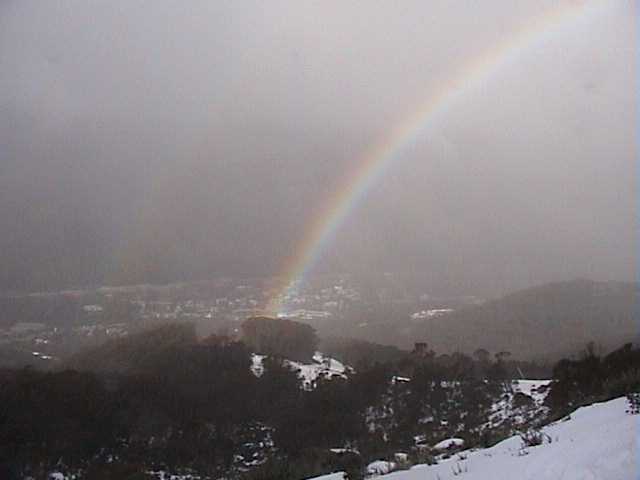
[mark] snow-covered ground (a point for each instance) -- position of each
(331, 476)
(598, 442)
(308, 372)
(448, 443)
(321, 366)
(534, 388)
(506, 409)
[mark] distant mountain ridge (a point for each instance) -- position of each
(543, 322)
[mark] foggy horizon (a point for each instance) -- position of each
(175, 143)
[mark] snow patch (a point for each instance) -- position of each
(257, 364)
(380, 467)
(308, 372)
(448, 443)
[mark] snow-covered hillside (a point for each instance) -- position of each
(598, 442)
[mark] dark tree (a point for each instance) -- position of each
(280, 337)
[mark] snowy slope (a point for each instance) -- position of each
(599, 442)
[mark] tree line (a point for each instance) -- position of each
(182, 404)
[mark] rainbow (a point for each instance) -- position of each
(370, 168)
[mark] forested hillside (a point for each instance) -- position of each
(548, 322)
(164, 400)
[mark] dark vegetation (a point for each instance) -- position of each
(592, 378)
(165, 400)
(280, 337)
(136, 353)
(360, 353)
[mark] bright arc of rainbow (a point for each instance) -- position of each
(377, 159)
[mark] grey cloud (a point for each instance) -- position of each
(156, 141)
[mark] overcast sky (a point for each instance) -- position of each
(158, 141)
